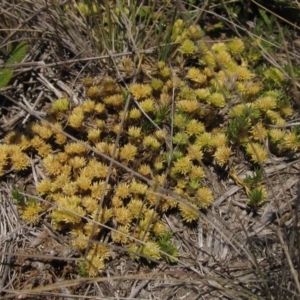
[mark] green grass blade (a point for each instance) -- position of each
(5, 76)
(18, 53)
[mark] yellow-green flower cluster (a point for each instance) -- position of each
(211, 101)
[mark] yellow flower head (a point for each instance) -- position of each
(259, 132)
(140, 91)
(275, 75)
(158, 163)
(122, 190)
(202, 94)
(76, 118)
(31, 211)
(208, 60)
(106, 148)
(134, 132)
(219, 47)
(116, 202)
(151, 141)
(159, 228)
(219, 139)
(195, 127)
(90, 204)
(88, 106)
(19, 160)
(94, 134)
(183, 165)
(204, 140)
(44, 131)
(94, 265)
(114, 100)
(291, 141)
(93, 92)
(128, 152)
(157, 84)
(189, 213)
(217, 99)
(165, 72)
(120, 236)
(188, 106)
(276, 135)
(252, 88)
(257, 152)
(243, 73)
(180, 120)
(44, 187)
(236, 46)
(97, 188)
(224, 59)
(83, 182)
(286, 111)
(196, 172)
(60, 181)
(177, 29)
(60, 105)
(195, 32)
(136, 208)
(148, 105)
(128, 65)
(144, 169)
(204, 196)
(222, 155)
(75, 148)
(100, 108)
(138, 188)
(196, 75)
(122, 215)
(77, 162)
(161, 64)
(52, 165)
(195, 152)
(265, 103)
(135, 113)
(187, 47)
(87, 81)
(151, 251)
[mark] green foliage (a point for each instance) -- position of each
(236, 127)
(145, 11)
(194, 184)
(16, 56)
(162, 114)
(20, 199)
(5, 77)
(83, 269)
(256, 197)
(18, 53)
(296, 131)
(255, 179)
(168, 247)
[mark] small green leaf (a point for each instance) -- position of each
(145, 11)
(16, 56)
(31, 201)
(256, 197)
(168, 247)
(18, 53)
(5, 77)
(264, 16)
(16, 194)
(255, 179)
